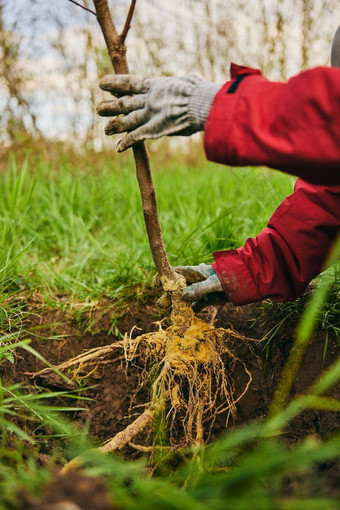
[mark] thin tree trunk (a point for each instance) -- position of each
(117, 51)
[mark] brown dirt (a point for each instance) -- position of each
(110, 409)
(266, 374)
(115, 384)
(73, 492)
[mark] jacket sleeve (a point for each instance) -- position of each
(293, 126)
(281, 261)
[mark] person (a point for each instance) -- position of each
(290, 126)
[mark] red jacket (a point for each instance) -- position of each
(294, 127)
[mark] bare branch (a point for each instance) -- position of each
(82, 7)
(117, 52)
(128, 21)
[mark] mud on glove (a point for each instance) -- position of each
(203, 287)
(157, 107)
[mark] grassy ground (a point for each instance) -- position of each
(71, 231)
(80, 231)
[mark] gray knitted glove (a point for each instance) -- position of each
(335, 50)
(158, 106)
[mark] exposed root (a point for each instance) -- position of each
(150, 449)
(118, 441)
(125, 436)
(190, 365)
(82, 360)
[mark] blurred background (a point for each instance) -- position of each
(52, 54)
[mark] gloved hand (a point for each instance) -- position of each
(204, 287)
(158, 106)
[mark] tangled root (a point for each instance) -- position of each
(190, 367)
(193, 385)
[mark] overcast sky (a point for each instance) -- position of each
(37, 21)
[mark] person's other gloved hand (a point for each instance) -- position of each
(154, 107)
(203, 287)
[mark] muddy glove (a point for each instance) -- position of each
(202, 281)
(335, 50)
(204, 287)
(158, 106)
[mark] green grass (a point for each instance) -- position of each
(76, 231)
(82, 230)
(275, 318)
(247, 467)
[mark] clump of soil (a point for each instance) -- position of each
(193, 385)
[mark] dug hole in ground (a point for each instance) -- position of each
(222, 377)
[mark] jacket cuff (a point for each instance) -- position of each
(200, 103)
(235, 278)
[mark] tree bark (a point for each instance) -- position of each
(117, 51)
